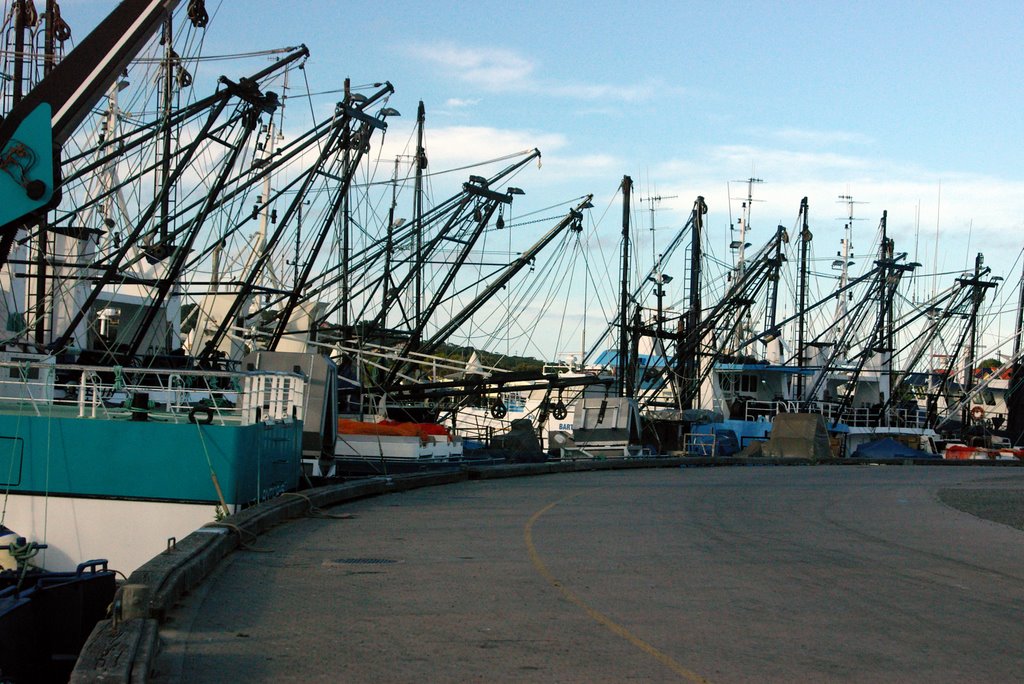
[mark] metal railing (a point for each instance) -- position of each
(832, 412)
(42, 387)
(700, 444)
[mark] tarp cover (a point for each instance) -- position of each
(798, 435)
(390, 427)
(520, 443)
(890, 448)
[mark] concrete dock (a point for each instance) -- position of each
(859, 574)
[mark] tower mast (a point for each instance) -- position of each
(623, 362)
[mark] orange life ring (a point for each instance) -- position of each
(977, 413)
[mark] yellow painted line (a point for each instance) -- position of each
(596, 615)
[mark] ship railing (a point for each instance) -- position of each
(835, 412)
(862, 416)
(91, 393)
(272, 396)
(874, 416)
(43, 387)
(476, 432)
(757, 409)
(700, 444)
(912, 417)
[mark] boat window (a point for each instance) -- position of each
(747, 383)
(29, 373)
(984, 397)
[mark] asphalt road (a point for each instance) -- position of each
(752, 574)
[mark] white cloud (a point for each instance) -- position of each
(460, 103)
(588, 166)
(506, 71)
(798, 136)
(456, 145)
(635, 92)
(491, 69)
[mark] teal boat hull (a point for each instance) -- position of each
(127, 490)
(148, 460)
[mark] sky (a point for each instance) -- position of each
(914, 108)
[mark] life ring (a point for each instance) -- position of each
(206, 410)
(977, 413)
(499, 410)
(560, 411)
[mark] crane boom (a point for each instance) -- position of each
(35, 129)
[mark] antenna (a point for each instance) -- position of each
(654, 201)
(843, 261)
(739, 246)
(917, 243)
(847, 242)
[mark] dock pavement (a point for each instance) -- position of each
(810, 573)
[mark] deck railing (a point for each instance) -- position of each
(700, 444)
(833, 412)
(38, 385)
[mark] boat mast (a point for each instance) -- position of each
(690, 354)
(623, 364)
(355, 142)
(573, 221)
(346, 222)
(389, 243)
(1015, 394)
(739, 248)
(772, 313)
(166, 96)
(42, 235)
(886, 310)
(267, 214)
(659, 279)
(977, 295)
(66, 97)
(20, 29)
(801, 305)
(421, 165)
(843, 263)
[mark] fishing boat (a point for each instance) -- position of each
(46, 617)
(392, 447)
(118, 438)
(458, 416)
(394, 363)
(112, 463)
(710, 381)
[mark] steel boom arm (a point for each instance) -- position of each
(36, 128)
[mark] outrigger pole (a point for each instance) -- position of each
(35, 129)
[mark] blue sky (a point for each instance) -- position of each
(884, 101)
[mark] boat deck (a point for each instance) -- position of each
(669, 574)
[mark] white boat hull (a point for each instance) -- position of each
(125, 533)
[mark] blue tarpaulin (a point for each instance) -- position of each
(890, 448)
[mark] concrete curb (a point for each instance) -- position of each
(118, 653)
(548, 467)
